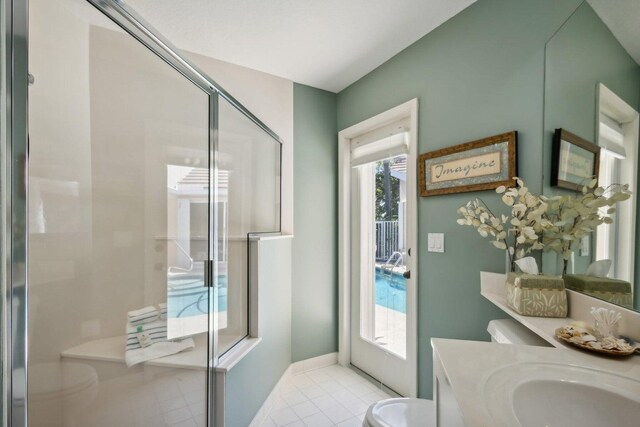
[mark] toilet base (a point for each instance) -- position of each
(400, 412)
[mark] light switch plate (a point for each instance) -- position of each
(585, 245)
(435, 242)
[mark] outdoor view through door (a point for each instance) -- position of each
(383, 295)
(379, 291)
(378, 196)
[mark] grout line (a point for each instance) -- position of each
(334, 373)
(379, 384)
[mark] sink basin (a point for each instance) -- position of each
(554, 395)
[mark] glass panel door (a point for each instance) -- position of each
(383, 289)
(379, 230)
(248, 203)
(119, 208)
(389, 229)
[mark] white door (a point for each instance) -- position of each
(382, 309)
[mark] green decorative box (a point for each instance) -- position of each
(536, 295)
(612, 290)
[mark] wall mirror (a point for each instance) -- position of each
(592, 91)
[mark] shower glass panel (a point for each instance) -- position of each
(119, 190)
(248, 203)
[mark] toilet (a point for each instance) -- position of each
(410, 412)
(400, 412)
(61, 389)
(509, 331)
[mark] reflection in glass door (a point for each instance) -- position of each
(119, 208)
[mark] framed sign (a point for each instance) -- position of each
(574, 161)
(478, 165)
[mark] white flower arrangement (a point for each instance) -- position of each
(540, 222)
(518, 234)
(574, 216)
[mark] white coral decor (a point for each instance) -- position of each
(518, 234)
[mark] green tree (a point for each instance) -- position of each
(387, 192)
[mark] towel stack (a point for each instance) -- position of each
(163, 310)
(147, 336)
(144, 315)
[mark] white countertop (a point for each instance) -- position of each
(468, 364)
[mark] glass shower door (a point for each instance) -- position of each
(120, 209)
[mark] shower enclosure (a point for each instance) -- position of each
(131, 186)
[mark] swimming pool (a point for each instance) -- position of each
(187, 296)
(391, 292)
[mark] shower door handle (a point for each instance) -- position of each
(208, 273)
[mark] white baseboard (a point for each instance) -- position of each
(295, 368)
(314, 363)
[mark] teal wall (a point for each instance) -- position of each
(580, 55)
(479, 74)
(249, 383)
(315, 271)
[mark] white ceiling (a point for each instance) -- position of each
(327, 44)
(623, 19)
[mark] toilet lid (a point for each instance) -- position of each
(59, 379)
(401, 412)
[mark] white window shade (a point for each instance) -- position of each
(611, 136)
(382, 143)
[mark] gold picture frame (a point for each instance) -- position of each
(574, 161)
(483, 164)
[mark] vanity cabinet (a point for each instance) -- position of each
(447, 410)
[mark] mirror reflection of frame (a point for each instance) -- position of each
(574, 161)
(592, 89)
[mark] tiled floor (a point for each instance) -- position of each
(331, 396)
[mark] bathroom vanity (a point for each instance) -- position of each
(491, 384)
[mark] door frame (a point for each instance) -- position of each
(409, 110)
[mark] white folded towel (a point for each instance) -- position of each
(155, 340)
(163, 310)
(143, 315)
(156, 332)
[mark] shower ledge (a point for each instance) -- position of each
(111, 350)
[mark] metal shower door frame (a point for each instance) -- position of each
(14, 173)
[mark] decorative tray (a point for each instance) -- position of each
(583, 338)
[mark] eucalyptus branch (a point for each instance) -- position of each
(574, 216)
(517, 234)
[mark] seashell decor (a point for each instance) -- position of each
(584, 337)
